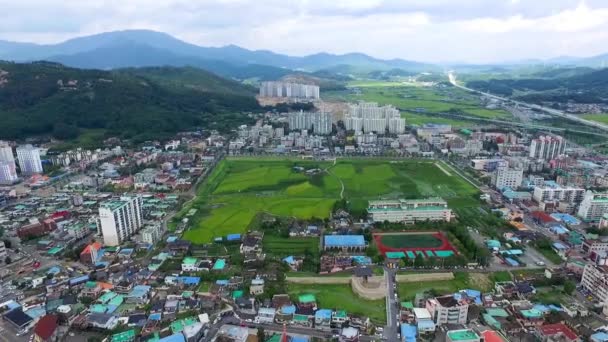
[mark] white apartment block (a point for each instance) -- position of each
(29, 159)
(8, 169)
(505, 177)
(120, 219)
(291, 90)
(319, 122)
(447, 310)
(595, 280)
(593, 207)
(410, 211)
(151, 234)
(551, 191)
(7, 173)
(370, 117)
(594, 246)
(547, 147)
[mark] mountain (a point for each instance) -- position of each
(49, 98)
(580, 85)
(134, 48)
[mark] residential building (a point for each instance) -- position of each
(506, 177)
(29, 159)
(288, 89)
(488, 165)
(447, 310)
(319, 122)
(2, 251)
(45, 329)
(464, 335)
(594, 206)
(551, 191)
(547, 147)
(410, 211)
(90, 253)
(8, 175)
(151, 233)
(120, 219)
(8, 169)
(595, 280)
(370, 117)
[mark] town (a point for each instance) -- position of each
(343, 223)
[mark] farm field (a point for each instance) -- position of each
(341, 296)
(283, 247)
(239, 189)
(601, 118)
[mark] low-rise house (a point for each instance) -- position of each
(339, 317)
(45, 329)
(103, 321)
(257, 287)
(557, 332)
(266, 315)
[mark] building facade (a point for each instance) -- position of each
(505, 177)
(319, 122)
(8, 168)
(288, 89)
(547, 147)
(447, 310)
(594, 206)
(595, 280)
(410, 211)
(29, 159)
(551, 191)
(120, 219)
(369, 117)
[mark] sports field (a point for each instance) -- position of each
(427, 244)
(238, 189)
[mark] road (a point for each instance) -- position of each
(550, 111)
(392, 324)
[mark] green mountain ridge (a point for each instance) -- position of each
(44, 98)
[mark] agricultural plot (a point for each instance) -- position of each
(239, 189)
(461, 281)
(283, 247)
(341, 296)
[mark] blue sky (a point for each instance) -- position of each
(424, 30)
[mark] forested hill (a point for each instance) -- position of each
(588, 87)
(49, 98)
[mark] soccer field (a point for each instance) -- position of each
(239, 189)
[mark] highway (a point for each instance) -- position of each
(550, 111)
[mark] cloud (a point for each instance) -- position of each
(428, 30)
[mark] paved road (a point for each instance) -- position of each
(550, 111)
(392, 323)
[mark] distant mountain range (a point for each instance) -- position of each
(142, 48)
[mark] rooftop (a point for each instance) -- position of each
(462, 335)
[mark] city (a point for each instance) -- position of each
(166, 195)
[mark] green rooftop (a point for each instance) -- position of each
(497, 312)
(113, 205)
(125, 336)
(179, 325)
(300, 318)
(462, 335)
(55, 250)
(307, 298)
(340, 314)
(90, 284)
(237, 294)
(407, 305)
(189, 261)
(532, 313)
(106, 297)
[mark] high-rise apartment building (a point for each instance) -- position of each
(593, 206)
(553, 192)
(595, 280)
(288, 89)
(370, 117)
(547, 147)
(29, 159)
(120, 219)
(8, 169)
(319, 122)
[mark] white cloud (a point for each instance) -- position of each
(429, 30)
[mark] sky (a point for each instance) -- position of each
(472, 31)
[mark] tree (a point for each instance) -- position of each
(261, 334)
(419, 261)
(8, 243)
(569, 287)
(8, 260)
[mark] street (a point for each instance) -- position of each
(392, 310)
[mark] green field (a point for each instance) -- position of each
(283, 247)
(461, 281)
(341, 297)
(239, 189)
(601, 118)
(410, 241)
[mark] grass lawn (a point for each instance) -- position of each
(421, 119)
(501, 276)
(340, 296)
(548, 295)
(410, 241)
(601, 118)
(204, 286)
(283, 247)
(238, 189)
(461, 281)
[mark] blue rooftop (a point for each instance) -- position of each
(559, 246)
(344, 241)
(599, 337)
(179, 337)
(323, 314)
(233, 237)
(288, 309)
(408, 333)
